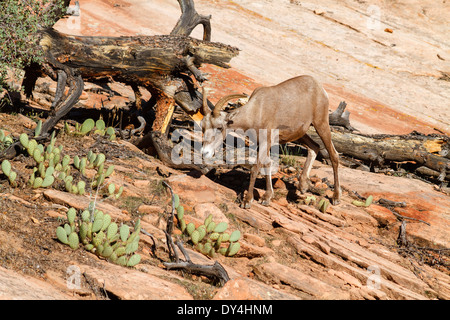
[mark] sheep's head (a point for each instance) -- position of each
(214, 124)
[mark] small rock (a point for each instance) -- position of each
(315, 180)
(346, 277)
(254, 239)
(291, 170)
(141, 183)
(320, 185)
(329, 193)
(281, 201)
(147, 209)
(84, 96)
(55, 214)
(35, 221)
(279, 184)
(26, 122)
(308, 239)
(203, 210)
(323, 247)
(362, 243)
(250, 251)
(319, 244)
(150, 218)
(247, 289)
(276, 242)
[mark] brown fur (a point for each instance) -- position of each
(290, 107)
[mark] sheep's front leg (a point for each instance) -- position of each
(248, 199)
(265, 201)
(266, 163)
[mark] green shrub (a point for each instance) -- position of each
(19, 22)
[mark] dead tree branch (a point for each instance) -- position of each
(190, 19)
(215, 271)
(341, 117)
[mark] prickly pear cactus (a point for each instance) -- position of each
(88, 125)
(11, 174)
(366, 203)
(323, 205)
(54, 167)
(97, 233)
(209, 238)
(5, 140)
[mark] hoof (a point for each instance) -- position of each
(246, 205)
(265, 203)
(303, 188)
(303, 191)
(335, 202)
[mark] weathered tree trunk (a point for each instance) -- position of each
(139, 59)
(340, 117)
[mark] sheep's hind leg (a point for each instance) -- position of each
(313, 150)
(323, 130)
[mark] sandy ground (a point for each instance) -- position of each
(384, 58)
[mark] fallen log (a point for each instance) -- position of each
(140, 59)
(422, 151)
(161, 64)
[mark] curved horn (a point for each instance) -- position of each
(222, 101)
(205, 107)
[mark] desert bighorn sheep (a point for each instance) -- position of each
(290, 108)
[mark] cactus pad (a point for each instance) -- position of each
(235, 236)
(73, 240)
(233, 249)
(62, 235)
(221, 227)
